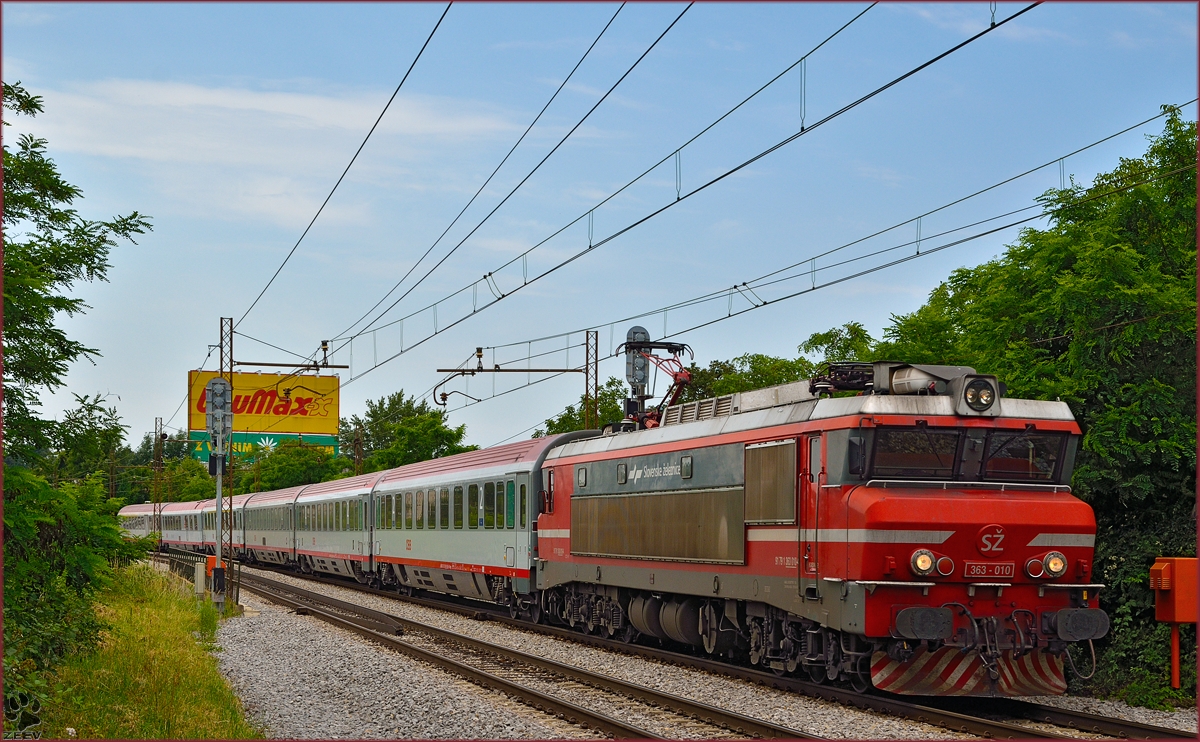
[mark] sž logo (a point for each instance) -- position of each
(990, 541)
(22, 713)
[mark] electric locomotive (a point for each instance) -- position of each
(906, 527)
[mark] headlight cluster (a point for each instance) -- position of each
(924, 563)
(979, 395)
(1051, 565)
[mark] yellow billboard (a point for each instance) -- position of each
(271, 403)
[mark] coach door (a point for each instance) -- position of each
(811, 478)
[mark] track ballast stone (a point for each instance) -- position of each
(300, 678)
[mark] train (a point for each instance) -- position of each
(905, 527)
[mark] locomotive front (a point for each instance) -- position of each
(950, 531)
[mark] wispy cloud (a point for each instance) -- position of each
(971, 19)
(258, 153)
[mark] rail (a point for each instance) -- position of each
(382, 627)
(938, 712)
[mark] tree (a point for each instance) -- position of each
(611, 397)
(379, 422)
(294, 463)
(1099, 310)
(58, 538)
(48, 248)
(746, 372)
(419, 438)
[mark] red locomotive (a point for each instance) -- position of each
(918, 536)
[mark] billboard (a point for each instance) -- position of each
(243, 445)
(271, 403)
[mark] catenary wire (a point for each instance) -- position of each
(759, 280)
(493, 175)
(269, 345)
(874, 269)
(658, 211)
(523, 180)
(348, 166)
(650, 169)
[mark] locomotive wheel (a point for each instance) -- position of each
(535, 613)
(817, 674)
(628, 634)
(860, 678)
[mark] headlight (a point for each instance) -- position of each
(1055, 564)
(1035, 569)
(979, 395)
(922, 562)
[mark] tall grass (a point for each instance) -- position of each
(153, 676)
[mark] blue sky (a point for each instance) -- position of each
(229, 123)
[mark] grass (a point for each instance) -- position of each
(152, 676)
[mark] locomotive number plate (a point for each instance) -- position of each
(989, 569)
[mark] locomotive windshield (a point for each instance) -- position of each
(1022, 456)
(916, 453)
(924, 452)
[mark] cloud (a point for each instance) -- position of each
(972, 19)
(17, 14)
(273, 154)
(885, 175)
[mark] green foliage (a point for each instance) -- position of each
(57, 547)
(292, 464)
(1099, 310)
(398, 430)
(850, 342)
(611, 397)
(48, 248)
(150, 678)
(419, 438)
(750, 371)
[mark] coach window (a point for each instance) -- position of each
(337, 516)
(622, 473)
(445, 508)
(408, 514)
(524, 505)
(549, 504)
(458, 507)
(473, 506)
(581, 477)
(501, 504)
(420, 508)
(510, 519)
(432, 509)
(489, 505)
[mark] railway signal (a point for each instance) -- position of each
(219, 421)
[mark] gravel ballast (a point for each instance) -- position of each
(300, 678)
(798, 712)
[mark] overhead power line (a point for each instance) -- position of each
(500, 295)
(762, 280)
(493, 175)
(645, 172)
(348, 165)
(530, 173)
(874, 269)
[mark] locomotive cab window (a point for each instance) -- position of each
(916, 453)
(1022, 456)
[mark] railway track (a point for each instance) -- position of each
(598, 702)
(972, 716)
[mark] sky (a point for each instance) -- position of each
(228, 124)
